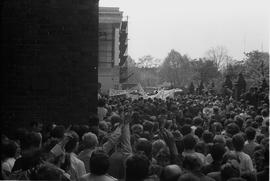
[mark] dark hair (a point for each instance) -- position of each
(207, 137)
(34, 123)
(189, 142)
(58, 131)
(99, 163)
(250, 133)
(186, 129)
(47, 171)
(197, 121)
(101, 102)
(217, 151)
(144, 146)
(232, 129)
(265, 113)
(31, 139)
(9, 149)
(189, 177)
(71, 144)
(137, 167)
(199, 131)
(229, 171)
(249, 176)
(238, 142)
(192, 163)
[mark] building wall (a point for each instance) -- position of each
(108, 69)
(49, 61)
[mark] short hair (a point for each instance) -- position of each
(9, 149)
(137, 167)
(229, 171)
(250, 133)
(186, 129)
(197, 121)
(89, 140)
(207, 137)
(265, 112)
(145, 146)
(32, 139)
(192, 163)
(189, 142)
(238, 142)
(34, 123)
(188, 177)
(47, 171)
(199, 131)
(58, 131)
(217, 151)
(101, 102)
(99, 163)
(232, 129)
(72, 143)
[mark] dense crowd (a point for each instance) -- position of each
(189, 137)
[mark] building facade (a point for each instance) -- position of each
(110, 52)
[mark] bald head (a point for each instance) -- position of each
(170, 173)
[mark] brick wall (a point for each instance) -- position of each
(49, 60)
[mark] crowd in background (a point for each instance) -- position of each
(189, 137)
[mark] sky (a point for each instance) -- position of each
(194, 26)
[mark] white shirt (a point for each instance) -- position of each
(77, 167)
(8, 164)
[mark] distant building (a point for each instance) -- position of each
(112, 52)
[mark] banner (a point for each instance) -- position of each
(114, 92)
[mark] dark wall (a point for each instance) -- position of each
(49, 59)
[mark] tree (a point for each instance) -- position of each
(205, 70)
(148, 61)
(219, 55)
(257, 65)
(175, 69)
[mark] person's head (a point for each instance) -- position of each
(229, 170)
(238, 142)
(217, 151)
(250, 133)
(137, 167)
(207, 137)
(99, 163)
(157, 146)
(47, 171)
(72, 144)
(32, 140)
(265, 113)
(232, 129)
(103, 126)
(192, 163)
(239, 121)
(144, 146)
(36, 126)
(58, 132)
(197, 121)
(199, 131)
(9, 149)
(89, 140)
(137, 129)
(101, 102)
(219, 139)
(249, 177)
(189, 142)
(186, 129)
(170, 173)
(188, 177)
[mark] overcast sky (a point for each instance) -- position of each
(194, 26)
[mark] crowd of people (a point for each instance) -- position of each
(185, 138)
